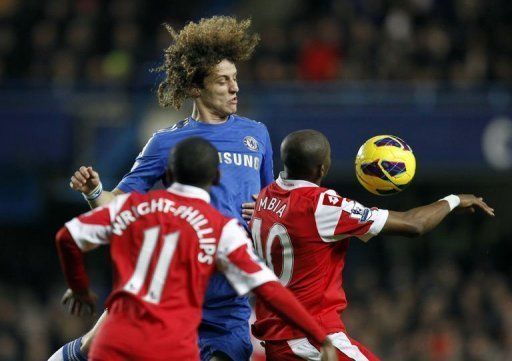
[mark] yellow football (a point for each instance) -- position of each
(385, 165)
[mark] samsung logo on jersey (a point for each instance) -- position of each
(239, 159)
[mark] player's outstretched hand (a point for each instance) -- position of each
(248, 208)
(328, 351)
(79, 304)
(469, 202)
(84, 180)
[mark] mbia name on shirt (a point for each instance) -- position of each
(274, 205)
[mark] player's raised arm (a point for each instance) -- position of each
(420, 220)
(245, 272)
(87, 181)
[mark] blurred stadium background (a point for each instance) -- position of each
(76, 88)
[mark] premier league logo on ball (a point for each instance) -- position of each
(251, 143)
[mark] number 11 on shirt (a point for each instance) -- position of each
(162, 267)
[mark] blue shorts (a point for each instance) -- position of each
(235, 342)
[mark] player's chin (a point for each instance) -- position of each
(231, 109)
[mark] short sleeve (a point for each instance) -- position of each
(93, 228)
(236, 259)
(338, 218)
(148, 168)
(267, 168)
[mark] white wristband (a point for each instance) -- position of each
(453, 201)
(95, 193)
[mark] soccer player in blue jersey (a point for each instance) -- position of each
(199, 64)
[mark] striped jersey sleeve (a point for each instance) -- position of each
(338, 218)
(93, 228)
(236, 259)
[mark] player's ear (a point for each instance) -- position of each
(320, 173)
(324, 168)
(216, 180)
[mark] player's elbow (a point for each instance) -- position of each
(404, 224)
(416, 230)
(414, 227)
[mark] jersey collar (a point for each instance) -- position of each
(200, 124)
(189, 191)
(289, 184)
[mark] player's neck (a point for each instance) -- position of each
(287, 175)
(204, 115)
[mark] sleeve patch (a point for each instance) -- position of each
(332, 200)
(359, 212)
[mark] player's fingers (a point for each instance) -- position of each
(78, 309)
(80, 177)
(89, 310)
(92, 307)
(76, 184)
(74, 307)
(482, 205)
(255, 196)
(84, 171)
(92, 172)
(69, 307)
(248, 205)
(65, 297)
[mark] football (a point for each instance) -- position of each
(385, 165)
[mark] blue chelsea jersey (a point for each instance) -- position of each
(245, 156)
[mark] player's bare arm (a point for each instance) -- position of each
(420, 220)
(87, 181)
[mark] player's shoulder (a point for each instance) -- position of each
(314, 195)
(311, 192)
(165, 137)
(172, 129)
(249, 123)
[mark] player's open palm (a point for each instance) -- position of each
(328, 352)
(79, 304)
(469, 202)
(85, 180)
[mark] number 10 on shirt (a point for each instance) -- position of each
(264, 250)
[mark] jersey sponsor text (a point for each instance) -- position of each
(239, 159)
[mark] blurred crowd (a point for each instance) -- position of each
(118, 41)
(440, 314)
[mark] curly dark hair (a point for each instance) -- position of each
(196, 49)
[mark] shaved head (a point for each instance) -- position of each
(194, 161)
(306, 154)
